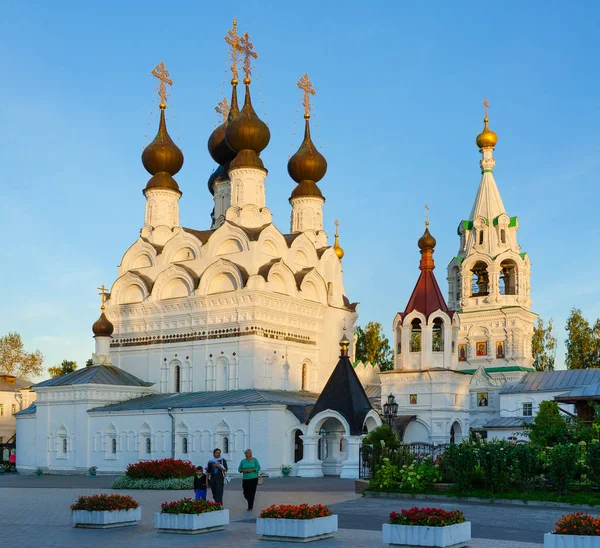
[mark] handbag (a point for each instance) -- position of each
(226, 478)
(261, 479)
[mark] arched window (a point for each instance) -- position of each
(64, 445)
(481, 237)
(437, 335)
(113, 446)
(177, 378)
(184, 445)
(503, 236)
(415, 335)
(148, 446)
(304, 375)
(225, 445)
(508, 278)
(480, 280)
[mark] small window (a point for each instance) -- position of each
(148, 446)
(399, 348)
(481, 237)
(1, 410)
(437, 336)
(503, 236)
(528, 409)
(184, 446)
(226, 445)
(64, 445)
(13, 408)
(177, 378)
(113, 446)
(415, 335)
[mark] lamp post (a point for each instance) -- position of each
(390, 409)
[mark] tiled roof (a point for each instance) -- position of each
(509, 422)
(95, 374)
(553, 381)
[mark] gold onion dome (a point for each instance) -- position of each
(162, 158)
(217, 146)
(307, 166)
(427, 241)
(487, 138)
(247, 135)
(337, 248)
(102, 327)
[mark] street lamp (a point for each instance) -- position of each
(390, 409)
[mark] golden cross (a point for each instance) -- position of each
(233, 41)
(486, 106)
(306, 86)
(247, 48)
(223, 108)
(102, 294)
(337, 225)
(161, 72)
(426, 214)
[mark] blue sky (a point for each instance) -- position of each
(398, 105)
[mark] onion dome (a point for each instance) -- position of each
(102, 327)
(218, 175)
(248, 135)
(487, 138)
(427, 241)
(336, 245)
(307, 166)
(162, 158)
(217, 146)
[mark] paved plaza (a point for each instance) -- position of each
(35, 513)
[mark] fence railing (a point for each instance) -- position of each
(5, 450)
(371, 457)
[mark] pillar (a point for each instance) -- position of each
(350, 466)
(310, 465)
(332, 465)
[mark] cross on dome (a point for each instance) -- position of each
(103, 293)
(233, 41)
(161, 72)
(306, 86)
(223, 108)
(247, 49)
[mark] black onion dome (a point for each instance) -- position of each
(217, 146)
(427, 241)
(219, 174)
(102, 327)
(308, 164)
(248, 135)
(162, 154)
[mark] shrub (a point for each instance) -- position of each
(549, 427)
(382, 433)
(161, 469)
(421, 474)
(386, 477)
(578, 524)
(593, 460)
(526, 465)
(461, 462)
(493, 457)
(189, 506)
(104, 502)
(288, 511)
(432, 517)
(125, 482)
(561, 466)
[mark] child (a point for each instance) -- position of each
(200, 483)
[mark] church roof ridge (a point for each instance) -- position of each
(95, 374)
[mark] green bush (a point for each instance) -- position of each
(420, 475)
(494, 459)
(126, 482)
(386, 477)
(562, 468)
(382, 433)
(526, 465)
(593, 461)
(461, 461)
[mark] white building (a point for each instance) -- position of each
(14, 396)
(218, 337)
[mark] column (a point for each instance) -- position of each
(332, 465)
(310, 465)
(351, 464)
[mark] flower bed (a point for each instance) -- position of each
(432, 527)
(577, 530)
(181, 484)
(105, 511)
(160, 469)
(301, 523)
(191, 517)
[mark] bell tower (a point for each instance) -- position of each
(489, 279)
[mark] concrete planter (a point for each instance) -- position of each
(105, 520)
(410, 536)
(191, 524)
(296, 530)
(570, 541)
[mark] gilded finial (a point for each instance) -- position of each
(103, 295)
(426, 215)
(487, 138)
(223, 108)
(306, 86)
(247, 49)
(486, 106)
(233, 41)
(161, 72)
(336, 245)
(345, 342)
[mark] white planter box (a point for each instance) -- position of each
(296, 530)
(105, 520)
(191, 524)
(570, 541)
(451, 536)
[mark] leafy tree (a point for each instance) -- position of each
(65, 367)
(543, 346)
(385, 433)
(373, 346)
(550, 427)
(582, 342)
(14, 360)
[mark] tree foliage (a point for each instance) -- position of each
(372, 346)
(583, 342)
(549, 426)
(14, 360)
(543, 346)
(65, 367)
(383, 433)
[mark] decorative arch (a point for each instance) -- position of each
(131, 288)
(509, 275)
(222, 276)
(314, 426)
(176, 281)
(222, 374)
(271, 242)
(480, 279)
(303, 245)
(417, 431)
(182, 247)
(228, 238)
(372, 420)
(313, 287)
(141, 254)
(280, 279)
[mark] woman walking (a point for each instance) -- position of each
(217, 468)
(249, 468)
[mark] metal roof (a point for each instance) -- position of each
(297, 402)
(591, 391)
(95, 374)
(14, 384)
(552, 381)
(509, 422)
(28, 410)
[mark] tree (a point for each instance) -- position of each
(549, 426)
(385, 433)
(65, 367)
(372, 346)
(543, 346)
(15, 361)
(582, 342)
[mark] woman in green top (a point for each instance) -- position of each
(249, 468)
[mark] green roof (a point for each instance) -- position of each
(467, 225)
(512, 221)
(523, 255)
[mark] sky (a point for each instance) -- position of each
(399, 98)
